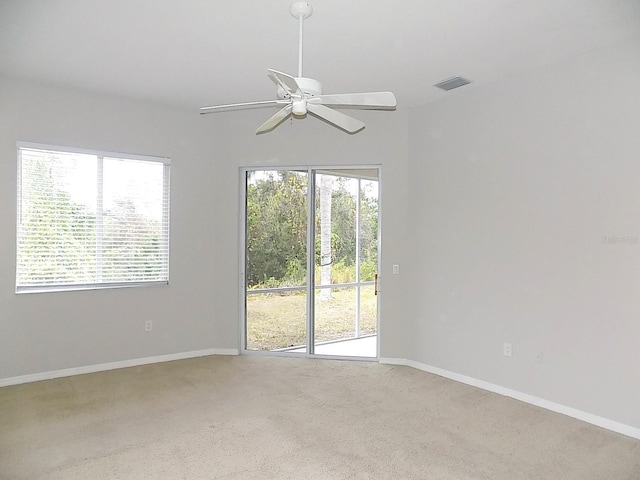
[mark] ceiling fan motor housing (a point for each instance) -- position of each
(309, 86)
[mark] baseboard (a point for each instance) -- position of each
(68, 372)
(523, 397)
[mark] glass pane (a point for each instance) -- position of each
(335, 314)
(335, 229)
(56, 242)
(276, 258)
(368, 230)
(337, 331)
(276, 219)
(133, 228)
(277, 321)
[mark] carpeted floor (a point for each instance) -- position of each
(254, 417)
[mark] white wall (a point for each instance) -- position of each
(513, 187)
(199, 310)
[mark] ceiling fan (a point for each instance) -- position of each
(300, 95)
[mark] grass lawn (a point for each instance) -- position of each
(279, 320)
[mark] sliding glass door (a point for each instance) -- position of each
(310, 261)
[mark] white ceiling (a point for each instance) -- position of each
(190, 53)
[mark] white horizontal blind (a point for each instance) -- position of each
(90, 220)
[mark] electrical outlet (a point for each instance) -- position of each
(148, 325)
(506, 349)
(396, 269)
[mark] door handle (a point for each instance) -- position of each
(375, 288)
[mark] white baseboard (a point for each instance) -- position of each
(523, 397)
(68, 372)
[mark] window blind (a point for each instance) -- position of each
(91, 219)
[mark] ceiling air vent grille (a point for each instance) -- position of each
(451, 83)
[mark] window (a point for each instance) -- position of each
(90, 219)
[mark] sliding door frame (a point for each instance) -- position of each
(311, 171)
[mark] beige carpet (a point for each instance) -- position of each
(278, 418)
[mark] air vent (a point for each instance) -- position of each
(451, 83)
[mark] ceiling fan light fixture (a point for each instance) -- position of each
(299, 107)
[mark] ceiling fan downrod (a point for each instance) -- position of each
(300, 10)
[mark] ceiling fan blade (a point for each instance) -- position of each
(216, 108)
(340, 120)
(372, 100)
(275, 120)
(285, 81)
